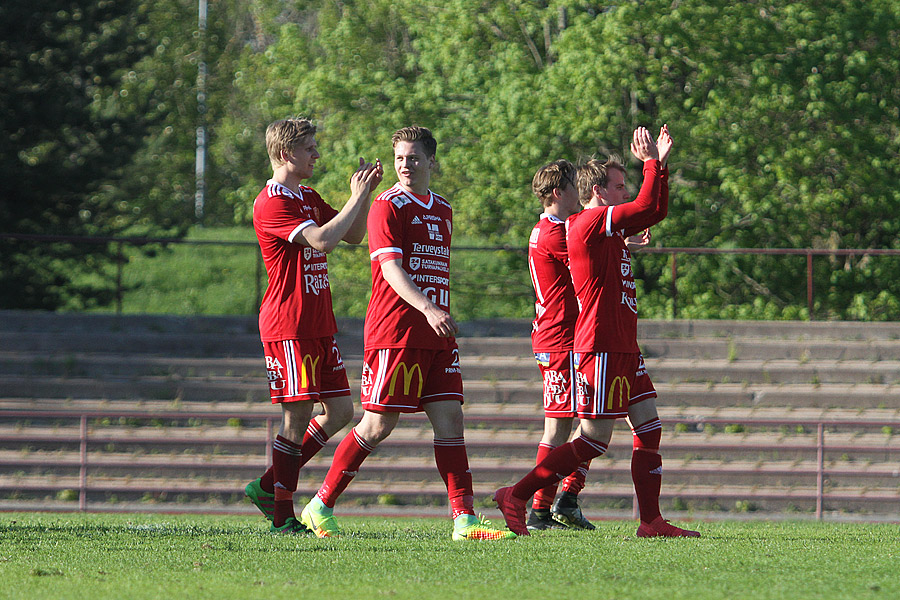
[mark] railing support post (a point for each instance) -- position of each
(269, 441)
(820, 470)
(809, 285)
(674, 286)
(82, 473)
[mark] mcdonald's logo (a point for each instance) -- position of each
(310, 374)
(407, 378)
(624, 387)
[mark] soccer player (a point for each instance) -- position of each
(411, 360)
(295, 229)
(611, 379)
(552, 337)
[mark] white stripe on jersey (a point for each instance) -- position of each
(389, 250)
(534, 281)
(300, 228)
(609, 231)
(572, 382)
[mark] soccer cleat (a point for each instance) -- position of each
(540, 519)
(320, 519)
(566, 511)
(659, 527)
(470, 527)
(263, 500)
(291, 526)
(513, 510)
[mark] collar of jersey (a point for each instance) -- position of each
(551, 218)
(281, 186)
(416, 200)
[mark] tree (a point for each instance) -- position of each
(65, 139)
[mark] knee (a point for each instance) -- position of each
(340, 413)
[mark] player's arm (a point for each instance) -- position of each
(327, 237)
(648, 208)
(397, 277)
(357, 230)
(638, 240)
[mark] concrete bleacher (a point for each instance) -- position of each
(172, 413)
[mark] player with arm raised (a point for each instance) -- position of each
(552, 338)
(295, 229)
(411, 360)
(611, 379)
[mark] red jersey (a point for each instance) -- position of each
(600, 264)
(297, 302)
(402, 226)
(556, 309)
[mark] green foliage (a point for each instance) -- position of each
(202, 556)
(66, 135)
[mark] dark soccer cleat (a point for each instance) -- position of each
(540, 519)
(291, 527)
(513, 510)
(659, 527)
(566, 511)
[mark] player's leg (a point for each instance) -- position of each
(335, 398)
(591, 443)
(442, 399)
(286, 460)
(556, 433)
(566, 509)
(646, 471)
(348, 457)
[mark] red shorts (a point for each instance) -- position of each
(404, 379)
(305, 370)
(557, 372)
(607, 383)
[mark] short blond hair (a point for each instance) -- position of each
(284, 135)
(595, 172)
(416, 134)
(552, 176)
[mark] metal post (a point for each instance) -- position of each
(200, 162)
(82, 476)
(120, 263)
(809, 285)
(674, 287)
(820, 470)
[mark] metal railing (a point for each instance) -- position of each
(87, 438)
(518, 288)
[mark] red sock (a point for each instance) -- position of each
(543, 498)
(286, 470)
(558, 464)
(348, 457)
(574, 483)
(453, 464)
(646, 468)
(314, 440)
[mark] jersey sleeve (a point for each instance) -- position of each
(647, 209)
(554, 244)
(283, 217)
(385, 232)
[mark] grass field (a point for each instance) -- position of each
(165, 556)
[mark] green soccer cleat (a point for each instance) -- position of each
(320, 519)
(470, 527)
(263, 500)
(291, 526)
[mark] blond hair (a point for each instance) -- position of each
(552, 176)
(595, 172)
(285, 135)
(416, 134)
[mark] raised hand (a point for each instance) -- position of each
(361, 182)
(643, 146)
(664, 144)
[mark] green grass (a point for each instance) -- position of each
(163, 556)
